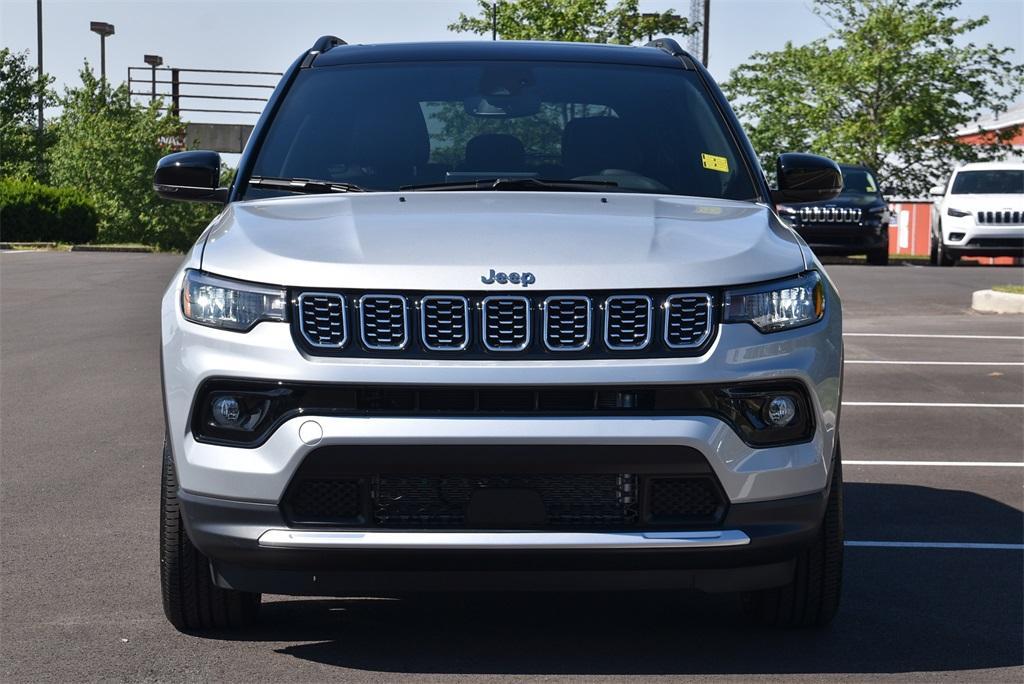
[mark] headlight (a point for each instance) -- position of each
(230, 304)
(957, 213)
(777, 306)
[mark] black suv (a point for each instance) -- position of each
(855, 222)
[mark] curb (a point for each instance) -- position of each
(114, 248)
(990, 301)
(27, 245)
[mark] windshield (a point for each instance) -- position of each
(389, 126)
(993, 182)
(858, 182)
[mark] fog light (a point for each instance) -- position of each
(227, 412)
(780, 411)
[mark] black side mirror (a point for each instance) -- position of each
(193, 176)
(806, 178)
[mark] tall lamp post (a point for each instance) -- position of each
(153, 61)
(103, 29)
(39, 55)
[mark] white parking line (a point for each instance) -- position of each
(933, 363)
(935, 545)
(947, 337)
(967, 464)
(928, 404)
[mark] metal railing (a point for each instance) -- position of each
(150, 82)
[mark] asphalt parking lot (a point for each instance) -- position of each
(933, 439)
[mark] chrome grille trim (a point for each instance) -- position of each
(1006, 216)
(555, 322)
(500, 317)
(610, 324)
(435, 328)
(830, 214)
(369, 318)
(681, 326)
(319, 320)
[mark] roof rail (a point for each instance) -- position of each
(325, 43)
(322, 45)
(670, 46)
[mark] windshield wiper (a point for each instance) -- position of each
(518, 184)
(308, 186)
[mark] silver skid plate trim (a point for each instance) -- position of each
(303, 539)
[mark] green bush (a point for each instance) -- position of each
(108, 147)
(32, 212)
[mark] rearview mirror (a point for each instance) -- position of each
(192, 176)
(806, 178)
(937, 190)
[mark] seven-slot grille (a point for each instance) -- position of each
(324, 321)
(444, 322)
(627, 322)
(1000, 217)
(567, 323)
(830, 215)
(383, 321)
(687, 320)
(506, 323)
(477, 325)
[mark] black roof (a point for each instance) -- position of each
(497, 50)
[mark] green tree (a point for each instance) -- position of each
(888, 88)
(21, 89)
(108, 147)
(572, 20)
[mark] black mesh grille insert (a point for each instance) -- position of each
(506, 323)
(383, 321)
(445, 322)
(688, 320)
(323, 319)
(683, 499)
(425, 501)
(594, 500)
(325, 500)
(627, 323)
(566, 323)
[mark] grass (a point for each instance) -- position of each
(1013, 289)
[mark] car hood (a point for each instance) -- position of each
(449, 240)
(989, 201)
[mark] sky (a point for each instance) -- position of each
(267, 35)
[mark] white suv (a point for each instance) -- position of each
(482, 315)
(980, 213)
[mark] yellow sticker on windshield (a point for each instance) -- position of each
(714, 162)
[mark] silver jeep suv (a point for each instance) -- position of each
(499, 316)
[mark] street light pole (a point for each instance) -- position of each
(153, 61)
(707, 29)
(39, 56)
(494, 20)
(102, 29)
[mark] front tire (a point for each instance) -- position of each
(192, 602)
(811, 599)
(940, 255)
(879, 257)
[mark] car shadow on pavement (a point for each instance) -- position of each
(904, 610)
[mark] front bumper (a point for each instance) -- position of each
(981, 239)
(252, 550)
(834, 240)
